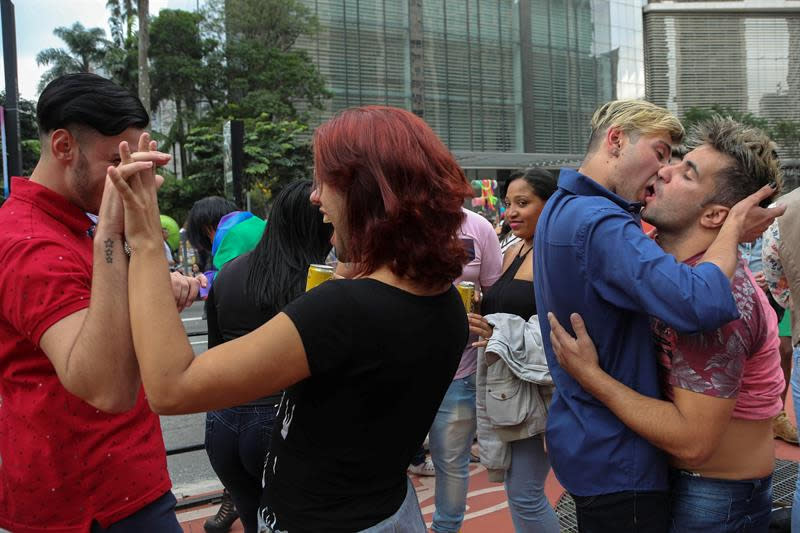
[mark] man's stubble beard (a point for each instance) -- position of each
(81, 185)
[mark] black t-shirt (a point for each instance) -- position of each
(381, 360)
(231, 313)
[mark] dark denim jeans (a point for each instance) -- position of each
(237, 441)
(156, 516)
(713, 505)
(630, 511)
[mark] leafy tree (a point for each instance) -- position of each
(28, 133)
(121, 61)
(121, 64)
(787, 135)
(697, 114)
(237, 62)
(177, 51)
(85, 51)
(275, 152)
(262, 70)
(123, 16)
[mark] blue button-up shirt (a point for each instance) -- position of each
(592, 257)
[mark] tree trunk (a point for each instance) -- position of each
(144, 46)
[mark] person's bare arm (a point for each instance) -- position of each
(745, 222)
(690, 428)
(263, 362)
(91, 350)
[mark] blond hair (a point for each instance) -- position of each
(635, 118)
(753, 158)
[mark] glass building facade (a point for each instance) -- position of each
(520, 76)
(740, 55)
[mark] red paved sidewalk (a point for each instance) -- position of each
(487, 507)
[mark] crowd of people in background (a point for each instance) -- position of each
(647, 368)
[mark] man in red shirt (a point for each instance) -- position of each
(80, 450)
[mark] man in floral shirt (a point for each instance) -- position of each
(723, 386)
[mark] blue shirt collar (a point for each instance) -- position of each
(576, 183)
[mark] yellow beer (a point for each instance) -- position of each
(467, 291)
(318, 274)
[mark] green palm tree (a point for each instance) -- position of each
(86, 49)
(123, 13)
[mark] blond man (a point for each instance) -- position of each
(593, 258)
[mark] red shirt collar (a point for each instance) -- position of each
(52, 203)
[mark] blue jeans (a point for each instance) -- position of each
(156, 516)
(795, 384)
(451, 437)
(709, 505)
(407, 519)
(237, 441)
(530, 510)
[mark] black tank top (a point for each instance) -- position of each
(509, 295)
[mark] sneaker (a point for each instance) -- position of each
(425, 468)
(783, 429)
(225, 517)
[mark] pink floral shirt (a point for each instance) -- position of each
(739, 360)
(773, 270)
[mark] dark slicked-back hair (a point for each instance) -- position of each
(86, 100)
(754, 160)
(205, 214)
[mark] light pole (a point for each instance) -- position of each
(11, 109)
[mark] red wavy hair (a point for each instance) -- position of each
(403, 192)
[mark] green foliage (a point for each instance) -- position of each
(86, 49)
(31, 150)
(123, 15)
(177, 53)
(235, 59)
(262, 71)
(275, 153)
(28, 133)
(787, 134)
(121, 60)
(205, 143)
(121, 63)
(698, 114)
(176, 197)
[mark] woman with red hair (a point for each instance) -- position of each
(347, 353)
